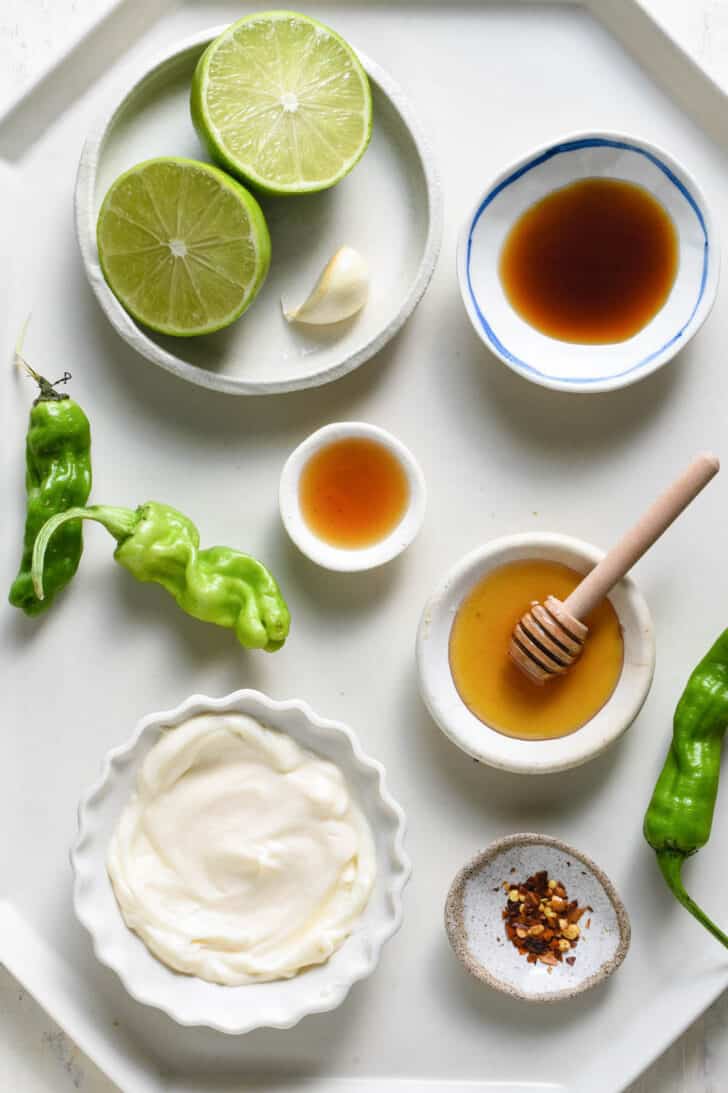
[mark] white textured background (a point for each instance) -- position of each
(35, 1056)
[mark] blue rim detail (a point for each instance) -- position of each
(559, 149)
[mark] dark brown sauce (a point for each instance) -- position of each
(592, 262)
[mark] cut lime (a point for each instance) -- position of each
(283, 102)
(183, 246)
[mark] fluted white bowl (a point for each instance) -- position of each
(192, 1001)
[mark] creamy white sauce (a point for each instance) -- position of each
(241, 856)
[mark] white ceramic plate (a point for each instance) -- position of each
(192, 1001)
(506, 752)
(389, 208)
(564, 365)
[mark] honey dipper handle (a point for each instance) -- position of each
(648, 529)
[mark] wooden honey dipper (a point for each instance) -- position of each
(550, 636)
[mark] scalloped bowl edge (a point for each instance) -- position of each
(395, 872)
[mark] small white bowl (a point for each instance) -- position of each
(192, 1001)
(563, 365)
(494, 748)
(475, 927)
(337, 558)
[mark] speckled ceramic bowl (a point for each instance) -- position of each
(474, 924)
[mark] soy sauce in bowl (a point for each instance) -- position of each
(592, 262)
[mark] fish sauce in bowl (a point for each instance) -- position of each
(353, 492)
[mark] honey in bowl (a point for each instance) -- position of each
(353, 492)
(491, 685)
(592, 262)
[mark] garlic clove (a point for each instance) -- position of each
(341, 291)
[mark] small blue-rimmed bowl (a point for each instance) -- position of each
(564, 365)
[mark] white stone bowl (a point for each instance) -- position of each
(389, 208)
(494, 748)
(563, 365)
(342, 559)
(475, 927)
(192, 1001)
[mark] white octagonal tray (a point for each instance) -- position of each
(489, 81)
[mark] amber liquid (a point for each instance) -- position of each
(353, 492)
(495, 690)
(592, 262)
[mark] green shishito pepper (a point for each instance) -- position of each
(57, 478)
(217, 585)
(680, 814)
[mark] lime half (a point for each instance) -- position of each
(183, 246)
(283, 102)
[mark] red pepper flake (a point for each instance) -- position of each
(541, 920)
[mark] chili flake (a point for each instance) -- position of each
(541, 920)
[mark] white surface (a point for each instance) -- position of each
(682, 404)
(281, 1003)
(496, 749)
(568, 366)
(338, 558)
(262, 353)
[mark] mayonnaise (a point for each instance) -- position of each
(241, 856)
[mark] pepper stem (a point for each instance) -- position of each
(671, 862)
(119, 522)
(48, 391)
